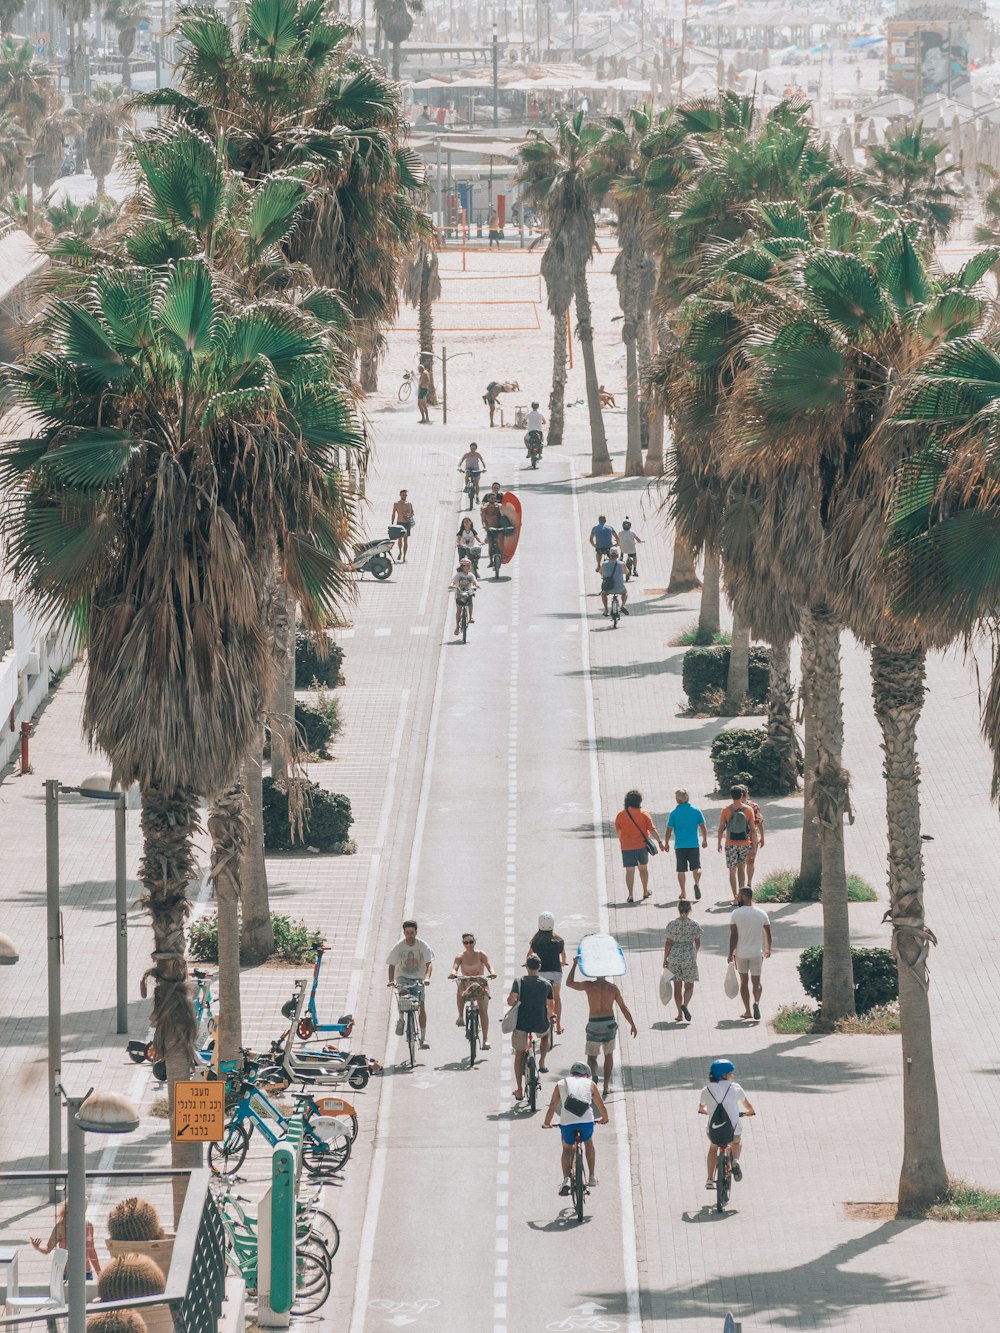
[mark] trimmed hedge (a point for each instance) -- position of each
(876, 980)
(744, 754)
(310, 668)
(705, 671)
(327, 818)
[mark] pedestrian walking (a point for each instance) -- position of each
(493, 226)
(758, 820)
(736, 828)
(636, 832)
(423, 395)
(59, 1239)
(403, 517)
(686, 824)
(680, 957)
(749, 945)
(603, 996)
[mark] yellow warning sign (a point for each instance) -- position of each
(199, 1111)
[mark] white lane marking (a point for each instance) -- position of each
(419, 629)
(344, 634)
(429, 577)
(382, 633)
(371, 888)
(376, 1181)
(630, 1262)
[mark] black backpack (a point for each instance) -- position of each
(738, 825)
(720, 1128)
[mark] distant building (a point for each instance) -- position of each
(931, 45)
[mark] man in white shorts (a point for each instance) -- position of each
(749, 945)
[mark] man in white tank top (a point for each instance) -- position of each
(576, 1098)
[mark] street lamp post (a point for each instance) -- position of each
(105, 1113)
(496, 80)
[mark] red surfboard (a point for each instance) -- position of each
(510, 505)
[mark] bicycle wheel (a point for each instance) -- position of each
(531, 1080)
(496, 560)
(315, 1246)
(322, 1224)
(472, 1030)
(405, 389)
(411, 1036)
(579, 1189)
(722, 1180)
(465, 623)
(312, 1284)
(325, 1159)
(615, 611)
(227, 1157)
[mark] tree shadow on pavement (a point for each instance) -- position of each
(780, 1066)
(660, 666)
(690, 738)
(820, 1293)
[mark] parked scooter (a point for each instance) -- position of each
(374, 557)
(533, 441)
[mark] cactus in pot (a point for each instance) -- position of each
(134, 1219)
(117, 1321)
(130, 1275)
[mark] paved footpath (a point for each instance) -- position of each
(484, 780)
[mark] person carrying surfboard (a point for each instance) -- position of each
(602, 1025)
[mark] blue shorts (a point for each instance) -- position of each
(640, 857)
(585, 1129)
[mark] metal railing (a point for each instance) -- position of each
(195, 1283)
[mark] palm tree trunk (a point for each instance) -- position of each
(810, 855)
(709, 623)
(169, 823)
(229, 826)
(600, 459)
(395, 61)
(257, 934)
(280, 612)
(738, 675)
(683, 575)
(647, 409)
(425, 322)
(653, 467)
(780, 726)
(831, 796)
(368, 373)
(557, 398)
(633, 446)
(898, 691)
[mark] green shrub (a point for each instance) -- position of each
(692, 637)
(705, 670)
(294, 942)
(312, 669)
(317, 724)
(784, 886)
(744, 754)
(326, 818)
(876, 980)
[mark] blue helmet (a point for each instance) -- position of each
(720, 1069)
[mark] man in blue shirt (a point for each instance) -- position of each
(686, 822)
(602, 538)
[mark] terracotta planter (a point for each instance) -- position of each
(160, 1251)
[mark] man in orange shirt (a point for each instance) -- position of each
(738, 826)
(636, 830)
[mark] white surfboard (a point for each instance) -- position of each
(601, 956)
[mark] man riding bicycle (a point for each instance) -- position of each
(411, 963)
(575, 1097)
(613, 580)
(602, 538)
(473, 464)
(466, 586)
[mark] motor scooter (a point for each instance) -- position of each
(533, 441)
(374, 557)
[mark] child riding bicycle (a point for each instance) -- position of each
(722, 1095)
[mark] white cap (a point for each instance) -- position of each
(546, 921)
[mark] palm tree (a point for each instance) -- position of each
(395, 18)
(9, 10)
(49, 146)
(137, 509)
(14, 143)
(553, 177)
(422, 288)
(104, 118)
(24, 83)
(126, 15)
(903, 175)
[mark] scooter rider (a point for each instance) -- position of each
(535, 422)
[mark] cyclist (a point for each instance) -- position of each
(464, 581)
(473, 464)
(411, 963)
(722, 1089)
(602, 538)
(613, 580)
(627, 539)
(468, 542)
(551, 949)
(534, 422)
(533, 998)
(575, 1091)
(474, 967)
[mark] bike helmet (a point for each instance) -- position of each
(614, 553)
(720, 1069)
(626, 524)
(580, 1069)
(546, 921)
(465, 560)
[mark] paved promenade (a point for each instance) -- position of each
(484, 780)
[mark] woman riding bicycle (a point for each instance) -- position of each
(468, 542)
(471, 969)
(722, 1090)
(466, 586)
(576, 1097)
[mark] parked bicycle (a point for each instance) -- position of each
(326, 1145)
(410, 380)
(312, 1275)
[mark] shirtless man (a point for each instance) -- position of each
(472, 966)
(402, 515)
(423, 394)
(602, 1026)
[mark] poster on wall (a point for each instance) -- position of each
(927, 59)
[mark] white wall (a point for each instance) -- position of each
(24, 672)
